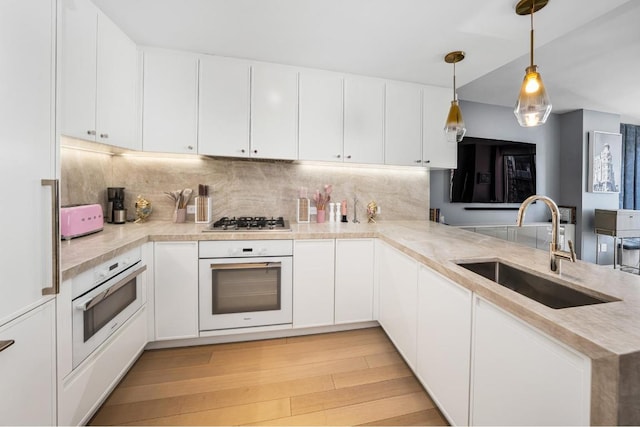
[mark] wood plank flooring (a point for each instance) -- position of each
(344, 378)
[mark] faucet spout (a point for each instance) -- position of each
(555, 251)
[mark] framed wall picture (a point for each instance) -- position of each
(605, 162)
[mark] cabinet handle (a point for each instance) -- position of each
(418, 161)
(338, 156)
(255, 151)
(349, 156)
(190, 147)
(427, 161)
(91, 132)
(242, 151)
(6, 344)
(104, 135)
(55, 236)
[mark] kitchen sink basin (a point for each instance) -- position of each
(548, 292)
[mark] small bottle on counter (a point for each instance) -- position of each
(337, 212)
(332, 217)
(343, 210)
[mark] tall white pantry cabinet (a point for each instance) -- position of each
(28, 156)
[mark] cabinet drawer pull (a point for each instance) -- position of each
(91, 132)
(255, 151)
(349, 156)
(190, 147)
(104, 135)
(242, 151)
(418, 161)
(6, 344)
(338, 156)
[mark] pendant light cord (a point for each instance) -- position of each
(454, 81)
(533, 5)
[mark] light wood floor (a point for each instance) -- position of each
(345, 378)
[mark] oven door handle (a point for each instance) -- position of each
(246, 266)
(95, 300)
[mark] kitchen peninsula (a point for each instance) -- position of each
(606, 334)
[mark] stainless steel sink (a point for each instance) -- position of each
(548, 292)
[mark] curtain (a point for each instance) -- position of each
(630, 191)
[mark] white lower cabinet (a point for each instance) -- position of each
(313, 282)
(27, 368)
(398, 282)
(444, 343)
(354, 280)
(176, 290)
(522, 377)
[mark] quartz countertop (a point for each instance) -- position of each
(604, 332)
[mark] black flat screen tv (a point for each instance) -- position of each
(493, 171)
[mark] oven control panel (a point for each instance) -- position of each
(245, 248)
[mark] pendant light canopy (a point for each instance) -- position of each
(454, 128)
(533, 106)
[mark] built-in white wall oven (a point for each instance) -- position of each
(245, 283)
(104, 301)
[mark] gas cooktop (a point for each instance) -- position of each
(249, 223)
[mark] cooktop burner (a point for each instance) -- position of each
(250, 223)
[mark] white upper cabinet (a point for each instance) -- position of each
(403, 125)
(363, 120)
(78, 42)
(99, 73)
(437, 152)
(170, 102)
(321, 116)
(117, 86)
(224, 107)
(274, 112)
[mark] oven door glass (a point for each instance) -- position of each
(105, 307)
(246, 287)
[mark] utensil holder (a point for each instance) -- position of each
(179, 215)
(203, 209)
(303, 213)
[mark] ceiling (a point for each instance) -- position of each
(588, 51)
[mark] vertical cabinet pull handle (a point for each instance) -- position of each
(55, 237)
(6, 344)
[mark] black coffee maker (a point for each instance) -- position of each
(116, 213)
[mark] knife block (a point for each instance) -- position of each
(203, 209)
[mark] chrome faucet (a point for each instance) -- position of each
(555, 252)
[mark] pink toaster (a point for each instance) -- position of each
(80, 220)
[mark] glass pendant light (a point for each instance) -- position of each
(533, 106)
(454, 128)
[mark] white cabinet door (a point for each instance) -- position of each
(444, 343)
(313, 282)
(78, 38)
(399, 300)
(27, 369)
(520, 376)
(437, 152)
(363, 120)
(320, 116)
(176, 290)
(224, 101)
(354, 280)
(170, 116)
(403, 125)
(274, 112)
(27, 151)
(117, 71)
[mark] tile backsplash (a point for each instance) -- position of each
(240, 187)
